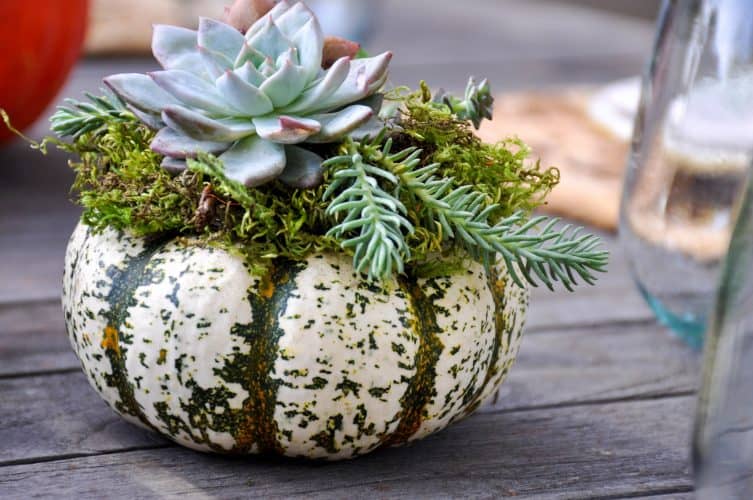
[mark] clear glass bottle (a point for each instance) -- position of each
(723, 433)
(690, 150)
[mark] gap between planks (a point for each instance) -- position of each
(482, 411)
(635, 449)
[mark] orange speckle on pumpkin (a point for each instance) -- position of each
(110, 341)
(267, 289)
(162, 356)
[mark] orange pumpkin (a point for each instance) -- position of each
(41, 41)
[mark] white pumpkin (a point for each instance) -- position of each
(311, 360)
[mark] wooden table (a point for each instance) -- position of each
(599, 404)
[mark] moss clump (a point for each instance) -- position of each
(499, 170)
(120, 184)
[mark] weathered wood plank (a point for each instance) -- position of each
(614, 298)
(33, 339)
(578, 452)
(42, 417)
(59, 414)
(598, 364)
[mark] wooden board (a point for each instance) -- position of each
(551, 453)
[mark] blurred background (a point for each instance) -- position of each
(545, 60)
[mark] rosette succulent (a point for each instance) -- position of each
(252, 99)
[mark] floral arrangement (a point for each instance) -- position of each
(262, 135)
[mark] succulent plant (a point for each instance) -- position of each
(251, 99)
(475, 106)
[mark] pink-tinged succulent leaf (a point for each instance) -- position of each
(362, 80)
(172, 143)
(309, 41)
(246, 98)
(220, 38)
(322, 89)
(173, 165)
(269, 40)
(267, 68)
(248, 54)
(150, 119)
(254, 161)
(336, 125)
(242, 14)
(285, 84)
(249, 74)
(291, 55)
(335, 48)
(274, 13)
(175, 47)
(294, 19)
(192, 90)
(286, 129)
(214, 63)
(303, 169)
(198, 126)
(140, 91)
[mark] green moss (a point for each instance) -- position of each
(120, 184)
(502, 170)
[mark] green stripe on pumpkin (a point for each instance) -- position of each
(422, 386)
(497, 287)
(120, 299)
(253, 369)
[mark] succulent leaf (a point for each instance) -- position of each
(248, 98)
(192, 91)
(140, 91)
(243, 96)
(173, 165)
(284, 85)
(310, 42)
(175, 47)
(220, 38)
(294, 19)
(303, 169)
(274, 13)
(215, 64)
(151, 120)
(286, 129)
(323, 88)
(363, 74)
(334, 125)
(172, 143)
(270, 41)
(198, 126)
(254, 161)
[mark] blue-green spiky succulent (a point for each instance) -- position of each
(251, 99)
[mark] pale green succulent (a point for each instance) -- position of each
(251, 99)
(476, 105)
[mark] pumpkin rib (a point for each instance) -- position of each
(497, 287)
(254, 369)
(421, 388)
(120, 298)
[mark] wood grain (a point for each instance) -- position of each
(573, 452)
(59, 414)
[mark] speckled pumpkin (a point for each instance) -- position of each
(310, 360)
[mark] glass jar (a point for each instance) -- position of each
(690, 150)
